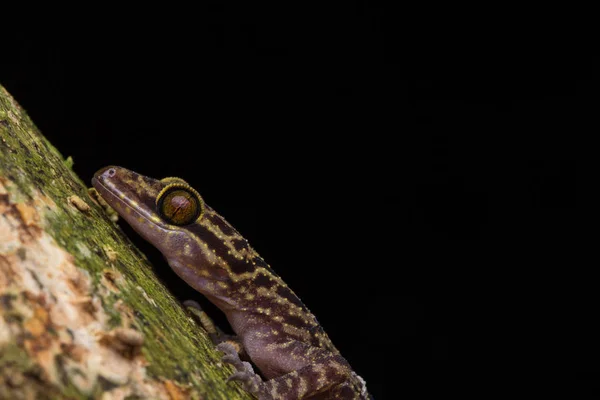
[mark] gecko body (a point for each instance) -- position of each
(273, 327)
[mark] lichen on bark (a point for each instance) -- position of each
(81, 313)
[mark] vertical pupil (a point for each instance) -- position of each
(180, 202)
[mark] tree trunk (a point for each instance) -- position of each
(81, 313)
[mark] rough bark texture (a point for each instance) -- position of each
(81, 313)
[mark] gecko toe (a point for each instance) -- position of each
(230, 359)
(238, 376)
(192, 304)
(249, 380)
(227, 348)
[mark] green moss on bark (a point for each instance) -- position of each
(174, 346)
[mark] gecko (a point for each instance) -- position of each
(273, 328)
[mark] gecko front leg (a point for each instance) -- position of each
(216, 335)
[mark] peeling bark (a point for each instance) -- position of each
(81, 313)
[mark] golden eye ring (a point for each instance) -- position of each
(173, 179)
(179, 204)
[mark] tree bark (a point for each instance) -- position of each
(81, 313)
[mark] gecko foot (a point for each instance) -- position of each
(245, 374)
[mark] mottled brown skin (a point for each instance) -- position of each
(275, 330)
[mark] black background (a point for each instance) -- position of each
(413, 177)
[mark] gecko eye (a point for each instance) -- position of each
(179, 204)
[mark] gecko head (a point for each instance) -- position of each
(161, 211)
(172, 216)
